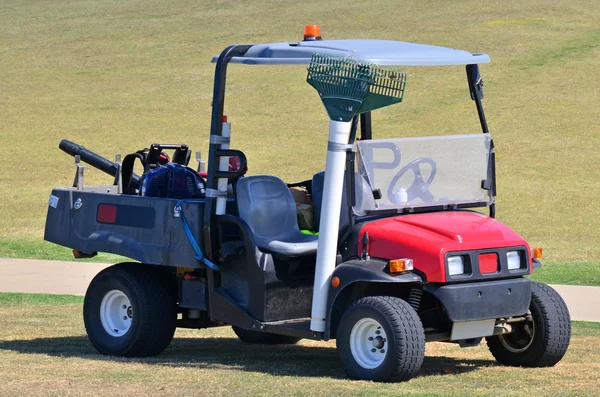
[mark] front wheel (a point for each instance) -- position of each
(381, 338)
(129, 310)
(541, 342)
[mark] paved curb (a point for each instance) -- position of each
(73, 278)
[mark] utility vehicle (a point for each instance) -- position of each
(398, 254)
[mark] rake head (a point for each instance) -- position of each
(348, 87)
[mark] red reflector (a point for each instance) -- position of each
(488, 263)
(106, 213)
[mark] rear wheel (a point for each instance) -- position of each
(263, 338)
(129, 311)
(541, 342)
(381, 338)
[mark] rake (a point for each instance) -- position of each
(347, 87)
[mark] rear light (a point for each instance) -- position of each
(536, 253)
(400, 265)
(107, 213)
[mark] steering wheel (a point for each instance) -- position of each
(419, 187)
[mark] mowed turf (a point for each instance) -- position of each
(44, 352)
(116, 76)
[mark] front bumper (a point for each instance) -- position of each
(483, 300)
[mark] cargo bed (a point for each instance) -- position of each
(145, 229)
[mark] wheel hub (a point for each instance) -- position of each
(520, 339)
(368, 343)
(116, 313)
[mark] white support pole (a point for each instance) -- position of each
(223, 166)
(329, 225)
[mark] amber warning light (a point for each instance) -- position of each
(312, 32)
(335, 282)
(400, 265)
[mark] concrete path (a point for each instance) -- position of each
(583, 302)
(47, 277)
(73, 278)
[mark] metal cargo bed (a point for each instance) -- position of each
(146, 229)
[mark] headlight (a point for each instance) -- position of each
(514, 260)
(456, 265)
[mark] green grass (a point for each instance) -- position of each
(575, 273)
(44, 352)
(32, 248)
(19, 299)
(118, 76)
(584, 327)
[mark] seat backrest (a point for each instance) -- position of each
(363, 194)
(267, 206)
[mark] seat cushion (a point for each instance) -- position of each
(303, 244)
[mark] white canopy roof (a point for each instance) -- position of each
(379, 52)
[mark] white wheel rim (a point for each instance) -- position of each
(368, 343)
(116, 313)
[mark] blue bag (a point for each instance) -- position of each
(173, 181)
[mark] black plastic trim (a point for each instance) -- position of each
(420, 210)
(192, 294)
(476, 90)
(244, 229)
(358, 270)
(366, 131)
(483, 300)
(350, 182)
(231, 153)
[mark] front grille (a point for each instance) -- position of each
(488, 264)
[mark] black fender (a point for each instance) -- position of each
(359, 270)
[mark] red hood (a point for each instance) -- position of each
(427, 237)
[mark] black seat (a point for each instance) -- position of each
(267, 206)
(363, 194)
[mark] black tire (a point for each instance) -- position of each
(551, 333)
(405, 339)
(263, 338)
(153, 313)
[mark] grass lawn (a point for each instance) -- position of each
(44, 352)
(576, 273)
(31, 248)
(116, 76)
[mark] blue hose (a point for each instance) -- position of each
(193, 241)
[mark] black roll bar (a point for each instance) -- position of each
(476, 90)
(216, 129)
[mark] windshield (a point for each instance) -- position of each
(423, 172)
